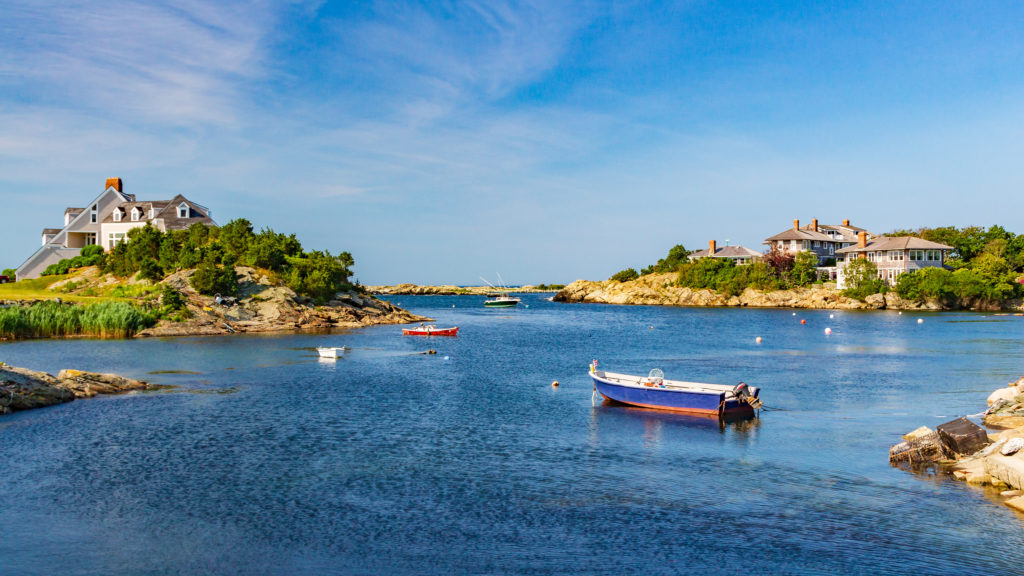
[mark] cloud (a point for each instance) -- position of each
(180, 63)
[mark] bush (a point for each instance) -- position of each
(625, 275)
(9, 272)
(862, 279)
(805, 268)
(210, 279)
(318, 274)
(677, 256)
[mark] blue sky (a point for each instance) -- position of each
(440, 142)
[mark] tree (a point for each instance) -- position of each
(862, 279)
(780, 261)
(625, 275)
(677, 256)
(805, 268)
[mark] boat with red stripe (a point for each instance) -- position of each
(431, 330)
(654, 391)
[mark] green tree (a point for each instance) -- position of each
(677, 256)
(862, 279)
(9, 272)
(318, 274)
(210, 279)
(805, 268)
(625, 275)
(236, 237)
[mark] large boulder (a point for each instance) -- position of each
(24, 389)
(88, 384)
(962, 437)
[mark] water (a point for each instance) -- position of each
(267, 460)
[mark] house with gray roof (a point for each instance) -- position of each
(106, 221)
(892, 255)
(824, 240)
(740, 255)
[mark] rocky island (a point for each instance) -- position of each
(663, 290)
(24, 389)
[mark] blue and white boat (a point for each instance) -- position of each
(654, 391)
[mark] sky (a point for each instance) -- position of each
(445, 142)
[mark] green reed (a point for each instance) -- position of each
(52, 319)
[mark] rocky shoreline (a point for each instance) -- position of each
(661, 290)
(24, 389)
(972, 454)
(450, 290)
(263, 306)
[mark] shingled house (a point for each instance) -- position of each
(106, 221)
(892, 255)
(740, 255)
(823, 240)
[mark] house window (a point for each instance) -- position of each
(872, 257)
(117, 214)
(934, 256)
(831, 248)
(92, 213)
(90, 238)
(895, 256)
(182, 210)
(817, 244)
(135, 214)
(114, 238)
(792, 244)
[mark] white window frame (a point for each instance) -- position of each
(136, 214)
(114, 238)
(93, 213)
(183, 210)
(116, 215)
(894, 256)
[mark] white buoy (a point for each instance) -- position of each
(446, 357)
(828, 331)
(831, 316)
(901, 313)
(920, 320)
(453, 305)
(758, 339)
(794, 313)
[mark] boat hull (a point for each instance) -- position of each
(691, 402)
(500, 304)
(427, 332)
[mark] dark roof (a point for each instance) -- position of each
(197, 213)
(895, 243)
(52, 230)
(728, 252)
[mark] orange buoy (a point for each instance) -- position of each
(554, 384)
(803, 321)
(758, 339)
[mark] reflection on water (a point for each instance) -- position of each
(391, 461)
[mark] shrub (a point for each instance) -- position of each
(171, 299)
(9, 272)
(210, 279)
(625, 275)
(805, 268)
(862, 279)
(677, 256)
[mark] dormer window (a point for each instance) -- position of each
(183, 210)
(117, 215)
(136, 213)
(92, 213)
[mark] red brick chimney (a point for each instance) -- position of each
(114, 183)
(796, 224)
(862, 239)
(846, 222)
(814, 224)
(712, 248)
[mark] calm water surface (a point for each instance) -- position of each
(267, 460)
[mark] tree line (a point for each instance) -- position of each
(214, 252)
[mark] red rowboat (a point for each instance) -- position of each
(431, 331)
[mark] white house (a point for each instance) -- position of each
(106, 221)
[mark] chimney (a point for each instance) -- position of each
(712, 248)
(862, 239)
(814, 224)
(114, 183)
(796, 224)
(846, 222)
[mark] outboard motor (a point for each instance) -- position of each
(742, 393)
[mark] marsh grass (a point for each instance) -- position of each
(52, 319)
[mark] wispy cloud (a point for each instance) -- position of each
(178, 62)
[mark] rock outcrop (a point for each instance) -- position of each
(661, 289)
(264, 306)
(971, 454)
(24, 389)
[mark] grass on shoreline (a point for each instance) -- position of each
(49, 319)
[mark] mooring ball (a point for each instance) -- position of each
(554, 384)
(758, 339)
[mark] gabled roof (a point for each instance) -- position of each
(728, 252)
(895, 243)
(169, 213)
(801, 234)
